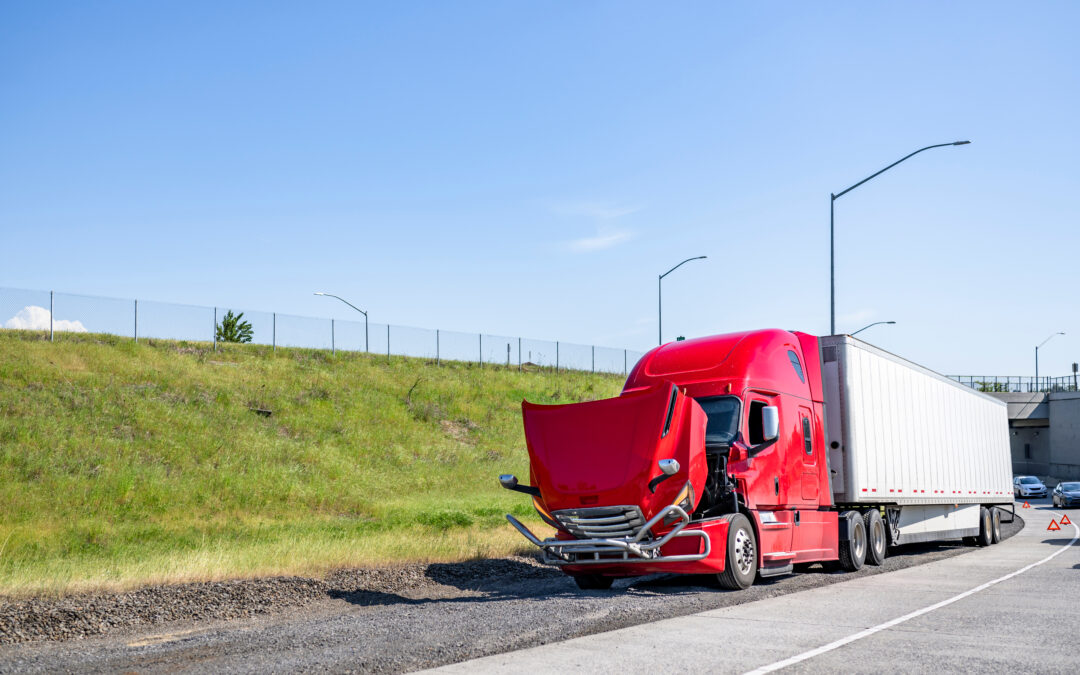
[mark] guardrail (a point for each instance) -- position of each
(1017, 384)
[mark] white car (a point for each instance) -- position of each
(1028, 486)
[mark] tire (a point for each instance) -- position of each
(986, 527)
(876, 541)
(593, 582)
(853, 551)
(740, 560)
(996, 516)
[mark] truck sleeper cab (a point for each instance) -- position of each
(714, 459)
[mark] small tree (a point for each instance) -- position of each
(232, 329)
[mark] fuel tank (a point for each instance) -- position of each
(606, 453)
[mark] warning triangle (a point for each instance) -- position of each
(1026, 505)
(1065, 519)
(1053, 526)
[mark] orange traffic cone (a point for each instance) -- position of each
(1065, 519)
(1053, 525)
(1026, 505)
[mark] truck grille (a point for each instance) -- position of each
(601, 521)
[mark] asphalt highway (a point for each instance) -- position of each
(1003, 609)
(524, 616)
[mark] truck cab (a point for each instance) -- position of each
(707, 434)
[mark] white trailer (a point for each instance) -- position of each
(931, 451)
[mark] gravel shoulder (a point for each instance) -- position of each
(367, 620)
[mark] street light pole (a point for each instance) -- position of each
(1037, 355)
(832, 210)
(871, 325)
(660, 297)
(331, 295)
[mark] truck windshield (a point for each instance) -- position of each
(723, 412)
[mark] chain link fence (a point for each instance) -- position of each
(59, 313)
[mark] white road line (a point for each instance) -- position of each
(907, 617)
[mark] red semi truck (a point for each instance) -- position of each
(747, 454)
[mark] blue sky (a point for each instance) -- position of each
(530, 168)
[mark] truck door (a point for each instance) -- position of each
(771, 488)
(810, 469)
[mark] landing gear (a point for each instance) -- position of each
(853, 551)
(875, 537)
(740, 564)
(593, 582)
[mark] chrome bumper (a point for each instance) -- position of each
(606, 551)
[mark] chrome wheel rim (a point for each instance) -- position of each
(877, 536)
(744, 551)
(860, 543)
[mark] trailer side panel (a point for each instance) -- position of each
(900, 433)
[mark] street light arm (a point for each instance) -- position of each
(700, 257)
(929, 147)
(331, 295)
(1049, 339)
(871, 326)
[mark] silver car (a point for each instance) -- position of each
(1028, 486)
(1067, 494)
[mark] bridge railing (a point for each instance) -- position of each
(1025, 384)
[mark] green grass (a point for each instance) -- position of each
(125, 464)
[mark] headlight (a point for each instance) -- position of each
(684, 500)
(545, 515)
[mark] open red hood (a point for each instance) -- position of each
(604, 453)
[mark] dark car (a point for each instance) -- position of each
(1067, 494)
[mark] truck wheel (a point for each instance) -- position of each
(740, 563)
(853, 551)
(593, 582)
(996, 514)
(875, 537)
(986, 527)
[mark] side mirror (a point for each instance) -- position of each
(670, 467)
(770, 422)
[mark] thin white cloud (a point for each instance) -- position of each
(594, 210)
(33, 317)
(604, 239)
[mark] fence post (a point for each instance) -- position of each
(273, 334)
(51, 306)
(215, 329)
(333, 346)
(508, 356)
(519, 355)
(438, 356)
(136, 322)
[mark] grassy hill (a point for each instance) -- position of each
(123, 464)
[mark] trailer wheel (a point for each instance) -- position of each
(740, 562)
(986, 527)
(853, 551)
(875, 537)
(593, 582)
(997, 524)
